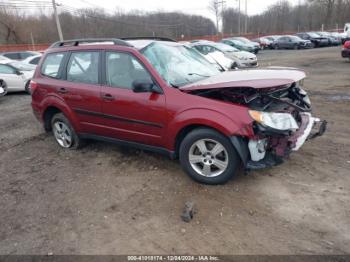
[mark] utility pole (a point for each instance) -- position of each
(239, 17)
(246, 17)
(32, 39)
(57, 20)
(222, 2)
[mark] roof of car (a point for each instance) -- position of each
(4, 62)
(142, 43)
(136, 42)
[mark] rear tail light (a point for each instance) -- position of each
(347, 44)
(33, 85)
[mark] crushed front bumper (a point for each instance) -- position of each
(311, 127)
(281, 146)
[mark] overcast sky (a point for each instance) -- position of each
(187, 6)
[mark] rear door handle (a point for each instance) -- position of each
(62, 90)
(108, 97)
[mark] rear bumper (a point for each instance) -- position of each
(345, 53)
(36, 112)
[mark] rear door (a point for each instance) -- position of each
(75, 78)
(139, 117)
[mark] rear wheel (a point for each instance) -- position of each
(64, 133)
(26, 88)
(208, 157)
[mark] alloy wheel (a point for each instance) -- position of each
(208, 157)
(63, 134)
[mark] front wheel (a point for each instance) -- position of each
(208, 157)
(27, 87)
(3, 88)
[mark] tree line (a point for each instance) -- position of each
(19, 27)
(308, 15)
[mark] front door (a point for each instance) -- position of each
(138, 117)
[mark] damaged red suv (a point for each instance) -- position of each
(162, 96)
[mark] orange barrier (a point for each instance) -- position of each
(23, 47)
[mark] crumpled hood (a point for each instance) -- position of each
(264, 78)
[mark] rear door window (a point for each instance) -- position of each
(83, 67)
(52, 64)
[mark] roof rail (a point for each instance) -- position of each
(77, 42)
(156, 38)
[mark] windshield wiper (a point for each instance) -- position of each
(173, 85)
(191, 74)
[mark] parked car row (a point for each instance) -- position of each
(16, 70)
(301, 40)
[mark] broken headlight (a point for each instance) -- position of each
(278, 121)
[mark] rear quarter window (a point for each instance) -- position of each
(52, 64)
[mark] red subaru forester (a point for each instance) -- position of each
(163, 96)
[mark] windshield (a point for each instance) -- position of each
(314, 35)
(242, 39)
(178, 65)
(22, 66)
(296, 38)
(225, 47)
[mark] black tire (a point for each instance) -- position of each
(208, 134)
(4, 86)
(26, 88)
(76, 141)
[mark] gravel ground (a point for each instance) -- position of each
(105, 199)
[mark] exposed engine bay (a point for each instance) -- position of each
(283, 121)
(277, 99)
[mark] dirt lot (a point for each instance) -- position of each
(105, 199)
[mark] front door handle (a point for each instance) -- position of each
(62, 90)
(108, 97)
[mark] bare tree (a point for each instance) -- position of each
(214, 7)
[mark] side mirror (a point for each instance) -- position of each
(143, 86)
(17, 72)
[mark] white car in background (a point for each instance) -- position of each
(15, 75)
(32, 60)
(242, 59)
(219, 58)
